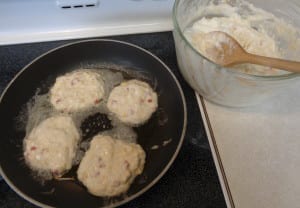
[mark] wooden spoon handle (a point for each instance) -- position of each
(292, 66)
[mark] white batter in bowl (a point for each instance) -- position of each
(254, 39)
(259, 27)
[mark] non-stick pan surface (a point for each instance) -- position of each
(167, 124)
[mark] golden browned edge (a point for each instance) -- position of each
(217, 153)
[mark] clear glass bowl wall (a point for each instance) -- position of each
(224, 86)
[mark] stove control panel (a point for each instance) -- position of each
(25, 21)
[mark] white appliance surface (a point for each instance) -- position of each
(256, 150)
(25, 21)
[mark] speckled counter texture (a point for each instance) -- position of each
(191, 181)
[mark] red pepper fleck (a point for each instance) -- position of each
(127, 165)
(33, 148)
(55, 173)
(101, 164)
(149, 100)
(131, 111)
(116, 183)
(74, 81)
(97, 101)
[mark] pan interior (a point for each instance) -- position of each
(164, 130)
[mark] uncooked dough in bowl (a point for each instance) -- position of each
(259, 27)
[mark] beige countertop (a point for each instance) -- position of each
(259, 150)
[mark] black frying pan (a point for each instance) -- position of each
(41, 73)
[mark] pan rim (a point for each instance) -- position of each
(157, 178)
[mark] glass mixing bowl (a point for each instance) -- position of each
(227, 86)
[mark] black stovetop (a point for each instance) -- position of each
(192, 180)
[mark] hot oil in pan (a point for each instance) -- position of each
(90, 121)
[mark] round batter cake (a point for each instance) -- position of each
(77, 91)
(133, 102)
(109, 166)
(52, 145)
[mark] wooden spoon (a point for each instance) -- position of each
(226, 51)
